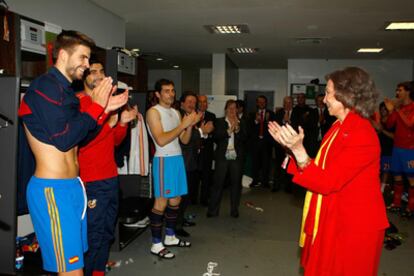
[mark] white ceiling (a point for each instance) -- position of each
(174, 29)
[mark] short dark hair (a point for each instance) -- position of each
(240, 103)
(92, 60)
(355, 89)
(408, 86)
(263, 97)
(188, 94)
(158, 85)
(68, 40)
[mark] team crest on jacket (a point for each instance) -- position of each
(92, 203)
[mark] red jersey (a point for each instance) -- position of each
(96, 159)
(403, 121)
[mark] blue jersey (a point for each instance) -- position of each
(50, 110)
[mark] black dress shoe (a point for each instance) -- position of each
(274, 190)
(182, 233)
(211, 215)
(235, 215)
(188, 223)
(254, 185)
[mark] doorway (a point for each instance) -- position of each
(250, 99)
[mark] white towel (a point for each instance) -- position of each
(139, 152)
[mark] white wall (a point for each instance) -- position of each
(190, 80)
(264, 80)
(106, 28)
(174, 75)
(232, 78)
(218, 74)
(386, 73)
(205, 81)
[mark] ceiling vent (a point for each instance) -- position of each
(243, 50)
(228, 29)
(309, 40)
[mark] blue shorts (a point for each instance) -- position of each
(402, 161)
(57, 209)
(385, 164)
(169, 176)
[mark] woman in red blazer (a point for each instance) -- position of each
(344, 215)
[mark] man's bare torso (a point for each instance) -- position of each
(52, 163)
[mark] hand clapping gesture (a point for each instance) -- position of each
(286, 135)
(289, 138)
(129, 114)
(207, 128)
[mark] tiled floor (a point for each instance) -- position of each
(255, 244)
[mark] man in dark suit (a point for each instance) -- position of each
(280, 176)
(206, 152)
(190, 154)
(324, 119)
(306, 117)
(261, 142)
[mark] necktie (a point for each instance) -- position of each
(261, 124)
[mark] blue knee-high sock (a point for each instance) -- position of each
(171, 213)
(156, 217)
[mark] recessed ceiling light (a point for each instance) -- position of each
(176, 66)
(370, 50)
(228, 29)
(400, 26)
(243, 50)
(159, 59)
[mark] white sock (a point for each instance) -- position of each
(157, 247)
(169, 240)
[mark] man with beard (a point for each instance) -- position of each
(99, 172)
(54, 127)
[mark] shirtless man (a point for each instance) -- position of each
(166, 127)
(54, 126)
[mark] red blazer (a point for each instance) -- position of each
(350, 186)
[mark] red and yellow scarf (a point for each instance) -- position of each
(314, 198)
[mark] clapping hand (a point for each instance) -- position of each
(190, 119)
(117, 101)
(207, 127)
(129, 114)
(286, 135)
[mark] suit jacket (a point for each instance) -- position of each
(207, 144)
(279, 115)
(191, 149)
(329, 120)
(221, 138)
(307, 118)
(347, 180)
(254, 129)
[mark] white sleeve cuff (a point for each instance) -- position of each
(204, 136)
